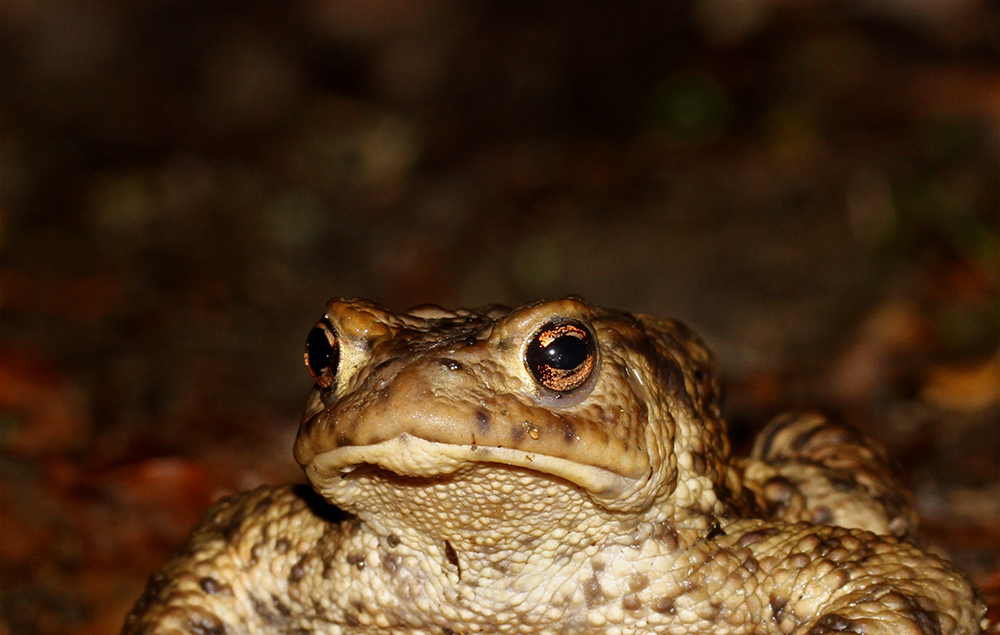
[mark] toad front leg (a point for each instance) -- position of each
(810, 580)
(805, 467)
(252, 567)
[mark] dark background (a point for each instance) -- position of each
(813, 185)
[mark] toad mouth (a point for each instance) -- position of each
(408, 455)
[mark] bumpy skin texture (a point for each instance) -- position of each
(456, 493)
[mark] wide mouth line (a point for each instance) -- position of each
(408, 455)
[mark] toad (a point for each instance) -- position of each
(552, 468)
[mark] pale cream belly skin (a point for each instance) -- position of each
(485, 484)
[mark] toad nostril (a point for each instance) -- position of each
(450, 364)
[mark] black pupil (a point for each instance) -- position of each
(565, 352)
(319, 349)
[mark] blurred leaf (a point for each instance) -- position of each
(690, 107)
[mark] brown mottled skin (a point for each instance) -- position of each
(466, 487)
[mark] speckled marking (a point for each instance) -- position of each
(298, 570)
(482, 420)
(714, 529)
(665, 605)
(452, 558)
(212, 586)
(593, 593)
(356, 559)
(206, 624)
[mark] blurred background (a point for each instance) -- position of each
(813, 185)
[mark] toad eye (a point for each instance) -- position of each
(323, 353)
(561, 356)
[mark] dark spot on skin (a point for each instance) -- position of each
(568, 431)
(343, 439)
(482, 420)
(778, 492)
(352, 526)
(261, 610)
(753, 537)
(451, 364)
(298, 571)
(351, 619)
(666, 606)
(327, 395)
(210, 586)
(843, 483)
(356, 559)
(471, 340)
(698, 462)
(280, 606)
(714, 530)
(708, 393)
(665, 534)
(319, 611)
(501, 566)
(779, 489)
(447, 631)
(209, 624)
(390, 563)
(282, 545)
(822, 516)
(452, 557)
(751, 564)
(392, 540)
(593, 593)
(699, 378)
(832, 623)
(358, 605)
(778, 604)
(637, 582)
(517, 434)
(631, 602)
